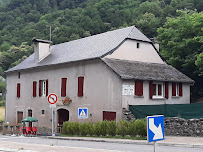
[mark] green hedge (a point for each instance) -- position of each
(107, 128)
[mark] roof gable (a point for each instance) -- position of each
(83, 49)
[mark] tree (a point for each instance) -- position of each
(182, 47)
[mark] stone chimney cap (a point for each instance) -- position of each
(43, 41)
(154, 40)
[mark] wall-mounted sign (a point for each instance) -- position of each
(82, 113)
(128, 90)
(66, 101)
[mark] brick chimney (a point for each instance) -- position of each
(41, 49)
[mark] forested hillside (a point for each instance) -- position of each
(180, 32)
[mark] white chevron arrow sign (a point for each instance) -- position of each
(158, 134)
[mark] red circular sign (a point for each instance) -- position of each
(52, 98)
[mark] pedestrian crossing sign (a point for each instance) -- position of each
(82, 113)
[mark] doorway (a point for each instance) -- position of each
(63, 115)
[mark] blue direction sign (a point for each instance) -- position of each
(82, 113)
(155, 128)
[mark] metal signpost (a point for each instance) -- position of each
(52, 99)
(155, 129)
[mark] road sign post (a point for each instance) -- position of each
(52, 99)
(155, 129)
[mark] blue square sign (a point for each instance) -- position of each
(155, 128)
(82, 113)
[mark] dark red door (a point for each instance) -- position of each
(20, 116)
(110, 116)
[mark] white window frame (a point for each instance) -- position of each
(162, 90)
(43, 87)
(177, 89)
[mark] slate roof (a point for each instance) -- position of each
(146, 71)
(82, 49)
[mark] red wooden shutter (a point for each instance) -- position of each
(47, 88)
(150, 89)
(34, 88)
(166, 90)
(180, 90)
(80, 86)
(173, 89)
(139, 88)
(18, 90)
(40, 88)
(63, 87)
(109, 116)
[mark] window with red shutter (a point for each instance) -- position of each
(166, 90)
(156, 90)
(80, 86)
(18, 90)
(173, 89)
(34, 88)
(180, 90)
(150, 89)
(40, 88)
(177, 89)
(47, 88)
(43, 88)
(63, 87)
(139, 88)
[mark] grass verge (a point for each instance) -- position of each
(2, 113)
(115, 137)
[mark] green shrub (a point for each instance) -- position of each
(132, 128)
(111, 128)
(87, 129)
(141, 127)
(101, 128)
(91, 128)
(71, 128)
(123, 128)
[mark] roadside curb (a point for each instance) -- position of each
(122, 141)
(181, 145)
(126, 141)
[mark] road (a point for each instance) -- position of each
(38, 144)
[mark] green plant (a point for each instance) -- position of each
(71, 128)
(141, 127)
(122, 128)
(101, 128)
(132, 128)
(87, 129)
(111, 128)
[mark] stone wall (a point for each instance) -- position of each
(175, 126)
(127, 115)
